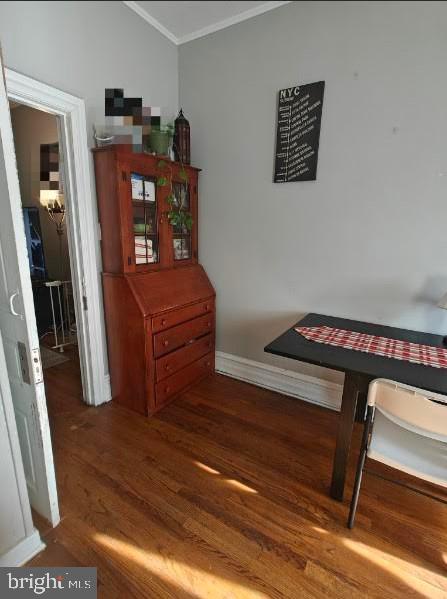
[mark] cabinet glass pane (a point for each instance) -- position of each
(181, 195)
(182, 243)
(181, 235)
(145, 221)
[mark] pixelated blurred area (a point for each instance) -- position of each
(127, 121)
(49, 166)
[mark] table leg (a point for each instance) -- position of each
(344, 434)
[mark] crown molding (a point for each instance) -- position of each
(223, 24)
(243, 16)
(149, 19)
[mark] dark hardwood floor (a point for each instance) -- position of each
(224, 494)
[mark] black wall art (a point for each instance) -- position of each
(298, 132)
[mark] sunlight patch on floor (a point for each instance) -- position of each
(240, 486)
(186, 578)
(208, 469)
(398, 568)
(230, 481)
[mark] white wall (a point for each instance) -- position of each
(31, 129)
(84, 47)
(367, 240)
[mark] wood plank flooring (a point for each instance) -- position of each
(224, 494)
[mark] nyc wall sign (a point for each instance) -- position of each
(298, 132)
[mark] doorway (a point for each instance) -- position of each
(76, 314)
(40, 161)
(82, 225)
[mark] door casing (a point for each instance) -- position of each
(82, 225)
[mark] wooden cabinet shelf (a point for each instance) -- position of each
(159, 302)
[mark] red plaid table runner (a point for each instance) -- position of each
(428, 355)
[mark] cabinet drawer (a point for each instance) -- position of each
(183, 378)
(182, 334)
(171, 363)
(170, 319)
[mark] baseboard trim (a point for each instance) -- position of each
(107, 389)
(23, 551)
(105, 392)
(287, 382)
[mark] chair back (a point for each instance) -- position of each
(409, 431)
(417, 410)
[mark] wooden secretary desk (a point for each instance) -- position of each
(159, 302)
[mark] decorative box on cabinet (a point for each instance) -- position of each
(160, 312)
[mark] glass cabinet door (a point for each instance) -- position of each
(181, 235)
(144, 219)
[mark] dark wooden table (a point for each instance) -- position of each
(360, 369)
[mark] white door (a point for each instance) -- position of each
(18, 327)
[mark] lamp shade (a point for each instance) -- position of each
(52, 199)
(48, 197)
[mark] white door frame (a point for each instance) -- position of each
(82, 225)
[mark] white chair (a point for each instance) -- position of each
(405, 428)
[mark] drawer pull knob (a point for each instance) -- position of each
(191, 341)
(163, 322)
(208, 324)
(167, 367)
(167, 389)
(207, 307)
(165, 342)
(208, 364)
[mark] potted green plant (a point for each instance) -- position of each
(160, 138)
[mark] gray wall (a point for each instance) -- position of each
(367, 240)
(32, 128)
(84, 47)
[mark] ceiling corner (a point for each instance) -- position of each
(150, 19)
(211, 27)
